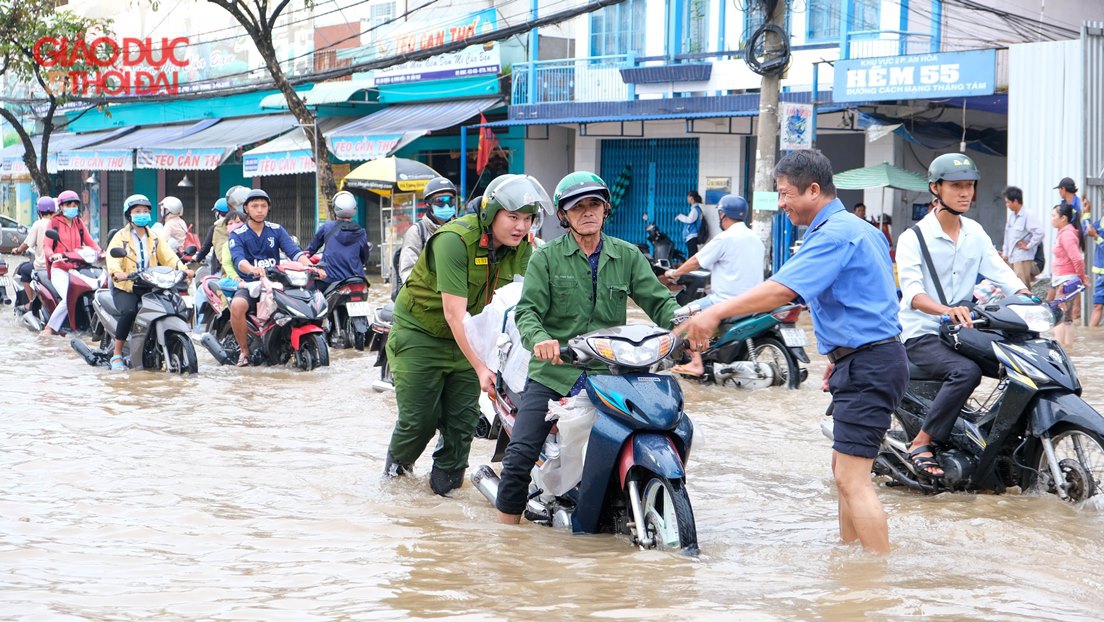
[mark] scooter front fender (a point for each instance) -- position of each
(1053, 409)
(297, 333)
(359, 324)
(653, 452)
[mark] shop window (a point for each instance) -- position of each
(755, 15)
(380, 15)
(618, 29)
(695, 26)
(824, 18)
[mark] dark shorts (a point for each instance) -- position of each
(1098, 290)
(866, 387)
(243, 293)
(25, 271)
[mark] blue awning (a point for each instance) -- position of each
(384, 132)
(205, 150)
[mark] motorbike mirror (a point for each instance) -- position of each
(190, 249)
(53, 234)
(118, 252)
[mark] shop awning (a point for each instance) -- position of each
(205, 150)
(117, 154)
(11, 157)
(384, 132)
(288, 153)
(325, 93)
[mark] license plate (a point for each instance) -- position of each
(358, 309)
(794, 337)
(188, 301)
(4, 281)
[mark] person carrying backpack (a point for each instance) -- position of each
(441, 202)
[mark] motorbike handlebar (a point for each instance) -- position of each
(567, 354)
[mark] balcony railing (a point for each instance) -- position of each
(596, 78)
(877, 43)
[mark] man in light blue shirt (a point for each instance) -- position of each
(844, 273)
(962, 253)
(1022, 236)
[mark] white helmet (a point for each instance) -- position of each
(172, 205)
(344, 204)
(235, 197)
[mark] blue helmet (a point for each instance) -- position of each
(221, 207)
(734, 206)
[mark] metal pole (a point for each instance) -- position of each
(531, 78)
(463, 166)
(937, 25)
(813, 99)
(766, 144)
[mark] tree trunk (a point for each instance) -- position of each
(30, 156)
(327, 185)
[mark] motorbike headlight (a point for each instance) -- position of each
(1039, 318)
(297, 278)
(622, 352)
(162, 280)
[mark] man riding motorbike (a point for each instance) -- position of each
(35, 239)
(960, 252)
(72, 235)
(734, 258)
(556, 305)
(346, 242)
(145, 249)
(440, 201)
(255, 247)
(437, 373)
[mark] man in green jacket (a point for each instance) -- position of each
(575, 284)
(437, 373)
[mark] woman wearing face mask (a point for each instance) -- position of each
(145, 249)
(441, 203)
(72, 235)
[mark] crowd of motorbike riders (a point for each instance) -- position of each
(450, 265)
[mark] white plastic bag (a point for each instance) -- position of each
(484, 332)
(565, 452)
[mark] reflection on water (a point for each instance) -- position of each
(256, 494)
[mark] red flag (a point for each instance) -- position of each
(487, 144)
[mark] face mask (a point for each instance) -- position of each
(141, 220)
(444, 213)
(71, 212)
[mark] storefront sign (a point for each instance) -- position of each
(283, 163)
(108, 160)
(922, 76)
(363, 148)
(181, 159)
(475, 60)
(14, 168)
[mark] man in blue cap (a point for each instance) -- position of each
(735, 258)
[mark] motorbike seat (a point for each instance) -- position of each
(107, 302)
(42, 277)
(387, 312)
(915, 373)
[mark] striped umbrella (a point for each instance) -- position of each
(880, 176)
(620, 187)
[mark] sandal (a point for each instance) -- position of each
(117, 363)
(243, 360)
(925, 464)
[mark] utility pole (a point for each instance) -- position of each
(766, 142)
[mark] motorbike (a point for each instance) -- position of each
(291, 330)
(633, 477)
(159, 338)
(5, 281)
(84, 279)
(756, 351)
(1034, 431)
(377, 342)
(347, 322)
(659, 249)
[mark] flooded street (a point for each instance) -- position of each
(256, 494)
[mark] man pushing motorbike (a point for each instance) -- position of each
(557, 304)
(437, 373)
(939, 261)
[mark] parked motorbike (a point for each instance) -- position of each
(5, 281)
(159, 338)
(84, 279)
(292, 331)
(660, 249)
(377, 342)
(1033, 432)
(756, 351)
(347, 322)
(633, 477)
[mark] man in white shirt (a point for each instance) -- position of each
(735, 259)
(1022, 235)
(961, 251)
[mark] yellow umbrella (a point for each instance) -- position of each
(385, 176)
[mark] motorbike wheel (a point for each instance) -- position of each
(774, 353)
(668, 516)
(1080, 455)
(182, 355)
(313, 352)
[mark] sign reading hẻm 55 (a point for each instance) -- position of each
(921, 76)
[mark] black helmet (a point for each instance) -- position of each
(952, 167)
(437, 185)
(257, 193)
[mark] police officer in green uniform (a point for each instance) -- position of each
(437, 373)
(577, 283)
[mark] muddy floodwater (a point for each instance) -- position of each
(256, 494)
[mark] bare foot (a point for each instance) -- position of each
(688, 370)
